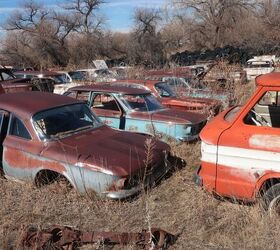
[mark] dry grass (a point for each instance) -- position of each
(176, 205)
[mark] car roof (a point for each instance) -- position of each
(37, 73)
(26, 104)
(139, 81)
(270, 79)
(111, 88)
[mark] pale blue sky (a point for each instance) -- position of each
(118, 13)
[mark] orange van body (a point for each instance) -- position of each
(240, 148)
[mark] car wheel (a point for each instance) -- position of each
(271, 200)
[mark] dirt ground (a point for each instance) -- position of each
(176, 205)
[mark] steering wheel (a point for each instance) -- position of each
(260, 122)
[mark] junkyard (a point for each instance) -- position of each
(162, 136)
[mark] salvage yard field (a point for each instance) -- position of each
(176, 205)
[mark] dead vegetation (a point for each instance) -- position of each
(77, 33)
(176, 205)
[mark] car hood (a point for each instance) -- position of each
(178, 116)
(188, 102)
(106, 150)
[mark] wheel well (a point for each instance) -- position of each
(268, 184)
(45, 177)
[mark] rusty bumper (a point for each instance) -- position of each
(170, 163)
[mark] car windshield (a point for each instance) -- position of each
(175, 82)
(60, 78)
(64, 121)
(142, 102)
(164, 90)
(77, 75)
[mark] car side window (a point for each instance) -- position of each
(83, 95)
(17, 128)
(266, 112)
(6, 76)
(270, 98)
(162, 92)
(105, 101)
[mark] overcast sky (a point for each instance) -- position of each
(118, 13)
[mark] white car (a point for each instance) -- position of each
(259, 65)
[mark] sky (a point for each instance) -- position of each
(118, 13)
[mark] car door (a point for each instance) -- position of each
(17, 148)
(106, 107)
(248, 150)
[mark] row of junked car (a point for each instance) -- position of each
(141, 105)
(46, 136)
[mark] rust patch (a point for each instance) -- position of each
(19, 159)
(64, 237)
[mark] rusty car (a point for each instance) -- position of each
(135, 109)
(240, 148)
(259, 65)
(44, 136)
(48, 80)
(168, 98)
(186, 85)
(11, 84)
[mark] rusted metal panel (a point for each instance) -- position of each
(65, 237)
(11, 84)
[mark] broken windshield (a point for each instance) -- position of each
(63, 121)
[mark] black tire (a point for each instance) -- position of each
(271, 200)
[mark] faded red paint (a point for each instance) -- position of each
(32, 102)
(19, 159)
(238, 156)
(178, 116)
(125, 160)
(118, 154)
(16, 85)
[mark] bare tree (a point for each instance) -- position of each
(89, 22)
(49, 29)
(270, 16)
(214, 18)
(145, 44)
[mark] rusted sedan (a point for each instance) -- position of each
(168, 98)
(11, 84)
(136, 109)
(44, 136)
(184, 84)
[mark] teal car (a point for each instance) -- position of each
(136, 109)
